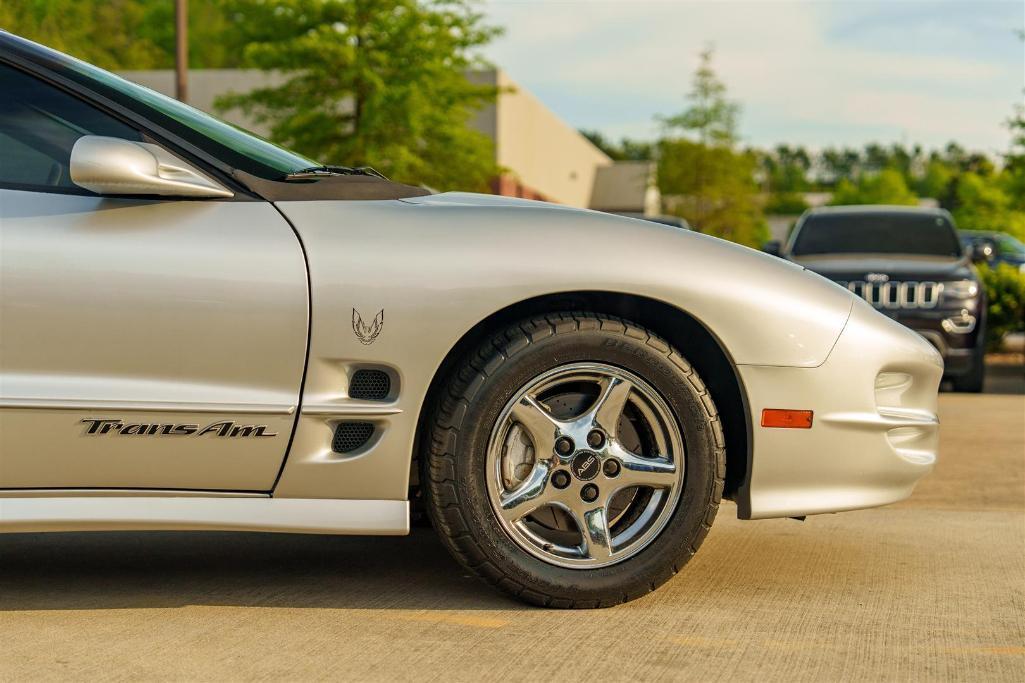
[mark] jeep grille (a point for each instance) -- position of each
(897, 294)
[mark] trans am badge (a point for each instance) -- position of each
(367, 333)
(118, 427)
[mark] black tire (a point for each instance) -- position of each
(454, 472)
(972, 381)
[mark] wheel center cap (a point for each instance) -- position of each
(586, 466)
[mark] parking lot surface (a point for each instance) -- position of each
(932, 588)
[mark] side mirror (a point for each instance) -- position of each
(115, 166)
(983, 251)
(773, 247)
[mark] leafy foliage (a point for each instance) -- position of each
(985, 205)
(1005, 289)
(71, 26)
(711, 115)
(713, 188)
(372, 82)
(626, 149)
(885, 187)
(1014, 160)
(786, 204)
(706, 180)
(124, 34)
(785, 169)
(936, 181)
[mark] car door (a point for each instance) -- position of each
(144, 343)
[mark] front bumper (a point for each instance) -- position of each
(875, 431)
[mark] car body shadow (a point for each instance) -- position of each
(120, 570)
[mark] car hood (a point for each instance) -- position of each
(466, 256)
(897, 267)
(472, 199)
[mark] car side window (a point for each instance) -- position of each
(39, 125)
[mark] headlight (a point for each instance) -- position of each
(961, 289)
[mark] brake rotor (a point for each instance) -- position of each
(518, 460)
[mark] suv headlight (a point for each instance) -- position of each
(961, 289)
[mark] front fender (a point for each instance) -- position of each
(439, 265)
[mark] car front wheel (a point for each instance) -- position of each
(576, 460)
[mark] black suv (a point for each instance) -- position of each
(909, 264)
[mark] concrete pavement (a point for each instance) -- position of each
(930, 589)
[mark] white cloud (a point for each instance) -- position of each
(805, 72)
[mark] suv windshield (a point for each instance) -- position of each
(927, 234)
(240, 149)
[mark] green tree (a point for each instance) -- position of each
(838, 164)
(372, 82)
(710, 115)
(626, 149)
(1014, 160)
(124, 34)
(99, 31)
(786, 204)
(884, 187)
(875, 157)
(1005, 291)
(785, 169)
(700, 174)
(213, 41)
(712, 187)
(936, 181)
(983, 204)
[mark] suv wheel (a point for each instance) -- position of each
(971, 382)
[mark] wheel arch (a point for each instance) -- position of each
(702, 348)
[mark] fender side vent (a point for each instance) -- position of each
(370, 385)
(351, 436)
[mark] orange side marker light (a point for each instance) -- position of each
(786, 419)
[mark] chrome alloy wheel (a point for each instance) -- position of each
(585, 465)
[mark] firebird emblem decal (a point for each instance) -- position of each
(367, 333)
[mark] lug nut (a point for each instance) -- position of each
(595, 439)
(611, 468)
(560, 479)
(564, 445)
(589, 493)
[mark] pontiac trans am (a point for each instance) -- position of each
(200, 330)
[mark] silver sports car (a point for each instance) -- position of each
(200, 330)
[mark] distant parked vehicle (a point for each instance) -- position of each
(998, 247)
(909, 263)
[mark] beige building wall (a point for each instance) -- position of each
(539, 149)
(627, 186)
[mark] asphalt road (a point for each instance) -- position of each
(929, 589)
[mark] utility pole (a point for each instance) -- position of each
(181, 49)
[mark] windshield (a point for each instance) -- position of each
(926, 234)
(1009, 246)
(235, 146)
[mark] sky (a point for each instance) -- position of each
(815, 73)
